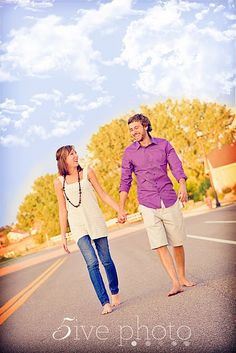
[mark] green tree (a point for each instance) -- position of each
(106, 148)
(3, 235)
(193, 128)
(40, 209)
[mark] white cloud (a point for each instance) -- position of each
(56, 116)
(172, 56)
(53, 122)
(200, 16)
(55, 96)
(219, 8)
(107, 13)
(10, 106)
(37, 130)
(231, 3)
(82, 104)
(189, 5)
(75, 98)
(23, 117)
(12, 140)
(215, 34)
(49, 46)
(6, 76)
(65, 127)
(100, 101)
(4, 121)
(58, 128)
(226, 80)
(30, 4)
(230, 16)
(109, 31)
(18, 114)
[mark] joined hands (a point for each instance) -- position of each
(122, 216)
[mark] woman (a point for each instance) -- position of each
(78, 204)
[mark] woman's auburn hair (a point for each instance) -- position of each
(61, 155)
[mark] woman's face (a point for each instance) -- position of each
(72, 159)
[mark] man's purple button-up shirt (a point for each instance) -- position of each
(149, 164)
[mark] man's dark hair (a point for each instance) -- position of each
(143, 120)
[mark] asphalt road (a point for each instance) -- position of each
(59, 311)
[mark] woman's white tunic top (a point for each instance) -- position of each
(88, 217)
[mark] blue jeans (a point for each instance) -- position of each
(91, 260)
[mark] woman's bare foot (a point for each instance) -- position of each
(186, 283)
(115, 299)
(175, 290)
(106, 309)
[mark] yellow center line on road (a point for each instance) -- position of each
(19, 299)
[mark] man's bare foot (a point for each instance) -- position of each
(106, 309)
(115, 299)
(175, 290)
(186, 283)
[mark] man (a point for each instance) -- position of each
(148, 157)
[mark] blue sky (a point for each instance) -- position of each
(68, 67)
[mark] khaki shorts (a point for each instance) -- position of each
(165, 226)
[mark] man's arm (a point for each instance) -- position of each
(182, 193)
(125, 184)
(122, 214)
(176, 168)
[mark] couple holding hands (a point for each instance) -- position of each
(147, 157)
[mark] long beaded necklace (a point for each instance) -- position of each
(80, 192)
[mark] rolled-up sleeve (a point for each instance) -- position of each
(126, 173)
(174, 162)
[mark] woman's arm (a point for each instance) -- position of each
(62, 212)
(102, 194)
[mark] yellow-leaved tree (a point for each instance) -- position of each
(192, 127)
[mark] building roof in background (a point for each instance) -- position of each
(220, 157)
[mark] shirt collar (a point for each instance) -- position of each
(153, 142)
